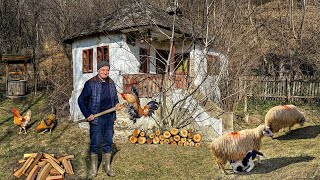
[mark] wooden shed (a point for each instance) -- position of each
(16, 74)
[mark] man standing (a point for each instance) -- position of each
(99, 94)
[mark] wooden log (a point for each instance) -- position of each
(161, 137)
(166, 134)
(191, 143)
(56, 166)
(135, 132)
(197, 145)
(66, 157)
(158, 132)
(44, 172)
(67, 166)
(174, 143)
(183, 133)
(171, 139)
(196, 138)
(174, 131)
(142, 133)
(186, 143)
(156, 140)
(149, 141)
(22, 170)
(151, 136)
(180, 143)
(190, 135)
(54, 172)
(33, 173)
(161, 142)
(35, 161)
(176, 138)
(133, 139)
(166, 141)
(183, 139)
(57, 177)
(142, 140)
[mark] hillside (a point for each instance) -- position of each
(290, 156)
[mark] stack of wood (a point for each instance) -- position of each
(42, 166)
(174, 136)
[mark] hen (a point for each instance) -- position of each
(135, 110)
(21, 121)
(47, 123)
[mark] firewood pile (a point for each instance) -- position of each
(174, 136)
(42, 166)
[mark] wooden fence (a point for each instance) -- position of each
(290, 89)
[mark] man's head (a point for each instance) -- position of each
(103, 69)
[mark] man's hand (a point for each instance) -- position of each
(90, 118)
(118, 106)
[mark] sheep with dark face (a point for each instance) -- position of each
(234, 146)
(280, 117)
(246, 164)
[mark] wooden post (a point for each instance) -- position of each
(245, 109)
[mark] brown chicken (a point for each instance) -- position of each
(135, 109)
(21, 121)
(47, 123)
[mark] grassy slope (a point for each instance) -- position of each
(291, 156)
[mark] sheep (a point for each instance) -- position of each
(280, 117)
(234, 146)
(246, 164)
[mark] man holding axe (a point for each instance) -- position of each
(99, 94)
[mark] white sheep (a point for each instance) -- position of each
(234, 146)
(280, 117)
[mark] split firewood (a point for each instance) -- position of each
(54, 172)
(156, 140)
(35, 162)
(67, 166)
(56, 166)
(22, 161)
(142, 140)
(66, 157)
(44, 172)
(33, 173)
(48, 156)
(142, 133)
(136, 132)
(196, 138)
(21, 171)
(57, 177)
(133, 139)
(158, 132)
(183, 133)
(174, 131)
(197, 145)
(176, 138)
(151, 136)
(167, 134)
(42, 163)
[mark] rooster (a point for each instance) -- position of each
(47, 123)
(21, 121)
(135, 109)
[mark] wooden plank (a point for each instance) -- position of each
(66, 157)
(36, 160)
(44, 172)
(33, 173)
(56, 165)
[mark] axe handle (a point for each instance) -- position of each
(101, 113)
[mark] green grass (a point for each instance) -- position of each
(293, 155)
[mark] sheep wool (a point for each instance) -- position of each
(284, 116)
(234, 146)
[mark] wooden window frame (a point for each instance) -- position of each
(144, 63)
(105, 55)
(87, 60)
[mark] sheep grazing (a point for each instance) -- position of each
(246, 164)
(234, 146)
(284, 116)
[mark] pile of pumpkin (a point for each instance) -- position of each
(174, 136)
